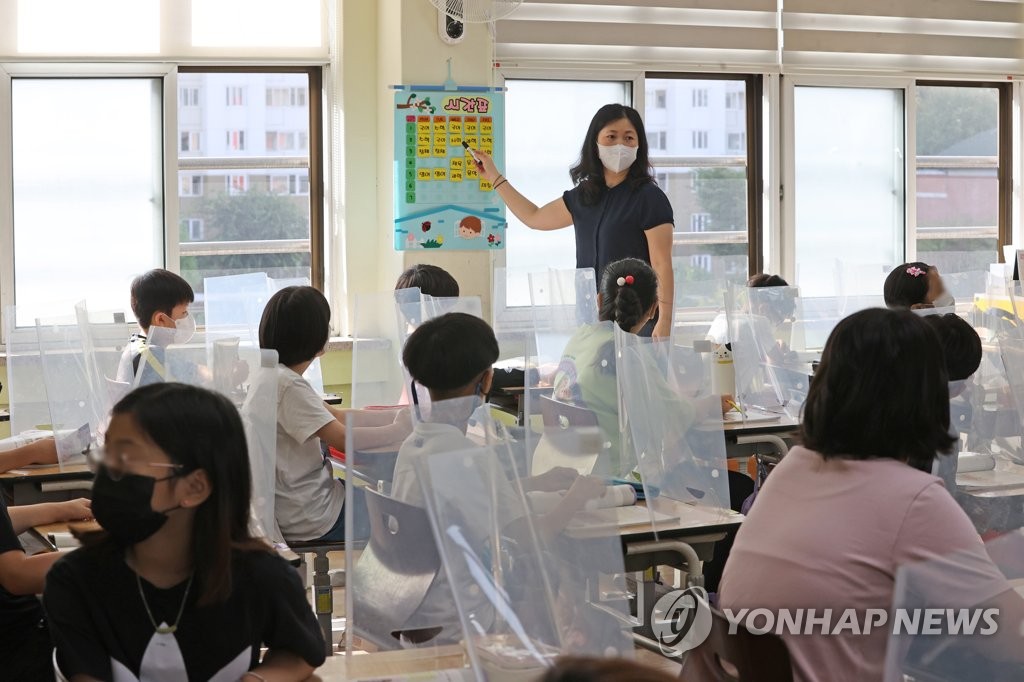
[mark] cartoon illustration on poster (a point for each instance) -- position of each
(441, 202)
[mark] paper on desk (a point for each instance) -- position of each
(618, 517)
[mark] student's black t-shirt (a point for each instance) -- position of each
(18, 614)
(100, 626)
(614, 227)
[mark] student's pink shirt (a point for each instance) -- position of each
(830, 534)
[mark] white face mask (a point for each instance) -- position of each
(184, 329)
(945, 300)
(616, 157)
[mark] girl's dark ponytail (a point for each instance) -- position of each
(629, 289)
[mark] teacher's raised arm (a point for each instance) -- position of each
(617, 209)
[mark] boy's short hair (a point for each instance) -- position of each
(961, 345)
(296, 323)
(430, 280)
(448, 352)
(158, 291)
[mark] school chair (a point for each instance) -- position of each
(572, 438)
(393, 574)
(743, 656)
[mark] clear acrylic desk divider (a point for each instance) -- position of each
(73, 410)
(257, 374)
(377, 375)
(951, 616)
(700, 310)
(679, 440)
(26, 388)
(527, 587)
(859, 286)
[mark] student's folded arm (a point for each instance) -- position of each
(28, 516)
(21, 574)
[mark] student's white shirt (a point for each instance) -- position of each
(309, 499)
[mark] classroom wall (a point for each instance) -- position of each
(387, 43)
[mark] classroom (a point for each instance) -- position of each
(512, 340)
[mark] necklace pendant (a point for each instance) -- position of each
(167, 629)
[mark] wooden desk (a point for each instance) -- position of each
(46, 484)
(391, 663)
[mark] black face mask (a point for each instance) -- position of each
(124, 508)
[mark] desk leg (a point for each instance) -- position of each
(323, 598)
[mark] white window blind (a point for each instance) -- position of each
(165, 30)
(933, 35)
(954, 36)
(740, 32)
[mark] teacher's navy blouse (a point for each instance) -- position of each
(614, 227)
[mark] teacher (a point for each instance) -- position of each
(616, 207)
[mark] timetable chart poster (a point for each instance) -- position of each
(441, 201)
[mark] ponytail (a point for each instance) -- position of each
(629, 289)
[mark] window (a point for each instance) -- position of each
(236, 140)
(256, 217)
(238, 184)
(189, 141)
(188, 97)
(110, 153)
(957, 175)
(538, 151)
(235, 96)
(708, 185)
(660, 99)
(191, 186)
(195, 229)
(737, 142)
(735, 100)
(286, 97)
(656, 140)
(849, 150)
(699, 222)
(700, 98)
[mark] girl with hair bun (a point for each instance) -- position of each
(627, 297)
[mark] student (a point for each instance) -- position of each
(309, 500)
(961, 348)
(916, 285)
(840, 513)
(580, 669)
(719, 331)
(25, 645)
(430, 280)
(586, 375)
(160, 299)
(457, 381)
(175, 587)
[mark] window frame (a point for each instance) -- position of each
(168, 73)
(1004, 156)
(754, 165)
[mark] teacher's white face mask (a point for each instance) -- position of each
(616, 157)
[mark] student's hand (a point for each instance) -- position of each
(727, 404)
(403, 421)
(584, 489)
(485, 167)
(555, 480)
(76, 510)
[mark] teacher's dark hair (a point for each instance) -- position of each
(628, 305)
(881, 391)
(588, 172)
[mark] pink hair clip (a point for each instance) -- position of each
(915, 271)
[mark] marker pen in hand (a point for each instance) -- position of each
(476, 159)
